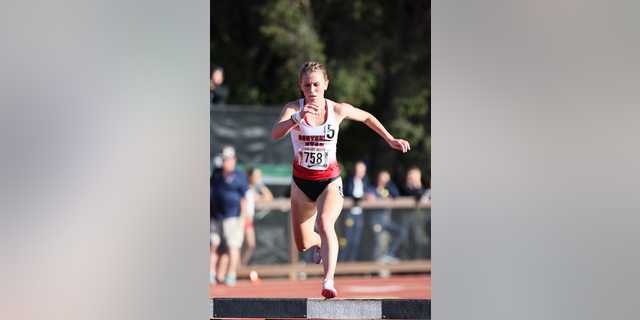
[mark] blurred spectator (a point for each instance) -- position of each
(418, 224)
(257, 192)
(223, 262)
(228, 188)
(223, 253)
(355, 184)
(427, 226)
(384, 189)
(413, 185)
(216, 163)
(261, 191)
(428, 192)
(219, 91)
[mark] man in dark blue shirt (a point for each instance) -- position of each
(380, 219)
(355, 186)
(228, 187)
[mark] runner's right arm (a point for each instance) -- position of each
(284, 123)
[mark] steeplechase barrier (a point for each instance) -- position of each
(314, 308)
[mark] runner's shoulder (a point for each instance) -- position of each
(341, 108)
(295, 105)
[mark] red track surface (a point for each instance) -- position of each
(394, 287)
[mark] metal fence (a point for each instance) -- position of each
(366, 232)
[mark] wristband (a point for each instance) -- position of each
(296, 118)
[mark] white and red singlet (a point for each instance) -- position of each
(315, 147)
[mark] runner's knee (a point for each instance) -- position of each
(325, 226)
(302, 247)
(304, 244)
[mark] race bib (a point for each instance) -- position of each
(313, 158)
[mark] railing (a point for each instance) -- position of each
(360, 249)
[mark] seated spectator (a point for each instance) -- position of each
(384, 189)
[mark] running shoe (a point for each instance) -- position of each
(212, 279)
(328, 291)
(317, 255)
(230, 280)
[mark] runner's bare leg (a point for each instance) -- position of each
(329, 206)
(303, 219)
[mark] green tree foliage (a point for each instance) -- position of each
(377, 55)
(289, 33)
(262, 47)
(388, 42)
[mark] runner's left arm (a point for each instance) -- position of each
(352, 113)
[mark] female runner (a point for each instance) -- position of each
(316, 187)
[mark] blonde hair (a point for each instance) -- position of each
(312, 67)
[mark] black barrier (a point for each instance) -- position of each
(297, 308)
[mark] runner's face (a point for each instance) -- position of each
(313, 85)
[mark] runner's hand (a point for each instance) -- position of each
(309, 108)
(400, 144)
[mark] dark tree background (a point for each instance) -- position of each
(377, 55)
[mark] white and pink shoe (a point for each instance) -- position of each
(328, 291)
